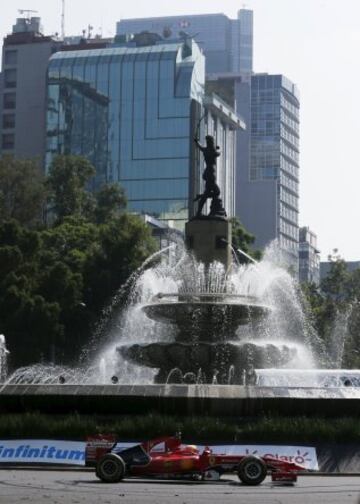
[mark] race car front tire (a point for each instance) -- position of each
(252, 471)
(110, 468)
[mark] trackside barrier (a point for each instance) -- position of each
(30, 451)
(35, 451)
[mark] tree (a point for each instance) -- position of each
(335, 310)
(124, 244)
(110, 201)
(22, 191)
(28, 320)
(68, 176)
(335, 284)
(56, 280)
(242, 239)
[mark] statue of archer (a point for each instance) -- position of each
(212, 190)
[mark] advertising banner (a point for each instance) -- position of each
(302, 455)
(42, 451)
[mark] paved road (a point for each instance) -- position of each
(78, 487)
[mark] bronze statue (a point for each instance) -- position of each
(212, 190)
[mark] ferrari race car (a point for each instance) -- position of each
(167, 457)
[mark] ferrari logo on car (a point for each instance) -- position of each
(186, 464)
(212, 460)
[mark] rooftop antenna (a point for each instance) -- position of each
(63, 19)
(27, 12)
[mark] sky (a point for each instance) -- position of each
(316, 44)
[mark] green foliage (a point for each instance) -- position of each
(55, 281)
(110, 200)
(22, 191)
(66, 182)
(268, 429)
(124, 243)
(242, 239)
(337, 299)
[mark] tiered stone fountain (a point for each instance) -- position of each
(205, 347)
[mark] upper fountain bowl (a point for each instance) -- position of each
(209, 315)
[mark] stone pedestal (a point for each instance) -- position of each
(209, 238)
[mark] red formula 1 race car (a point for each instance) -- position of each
(166, 457)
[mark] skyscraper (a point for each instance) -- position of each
(227, 43)
(268, 192)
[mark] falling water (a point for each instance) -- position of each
(338, 337)
(3, 359)
(179, 273)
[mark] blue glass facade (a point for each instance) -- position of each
(133, 112)
(227, 43)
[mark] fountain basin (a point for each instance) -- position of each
(224, 361)
(208, 400)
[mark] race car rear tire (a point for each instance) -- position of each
(252, 471)
(110, 468)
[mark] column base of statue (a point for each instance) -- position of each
(209, 239)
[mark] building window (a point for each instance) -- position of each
(10, 57)
(9, 100)
(10, 78)
(8, 121)
(8, 141)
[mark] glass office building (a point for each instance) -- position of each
(130, 110)
(269, 191)
(227, 43)
(133, 112)
(309, 256)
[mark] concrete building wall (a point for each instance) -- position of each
(25, 56)
(31, 99)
